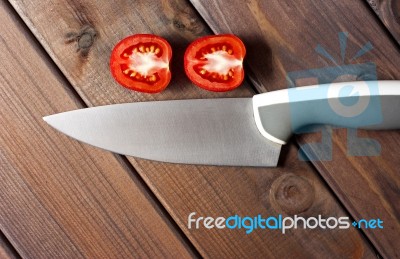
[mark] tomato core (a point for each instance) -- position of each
(141, 62)
(215, 62)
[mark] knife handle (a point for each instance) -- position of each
(371, 105)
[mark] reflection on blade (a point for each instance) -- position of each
(211, 131)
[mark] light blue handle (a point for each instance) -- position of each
(364, 104)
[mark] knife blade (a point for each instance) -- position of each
(226, 131)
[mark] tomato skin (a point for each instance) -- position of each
(197, 62)
(120, 65)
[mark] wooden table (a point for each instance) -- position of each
(62, 198)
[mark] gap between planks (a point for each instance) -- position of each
(312, 165)
(330, 184)
(342, 207)
(136, 177)
(7, 250)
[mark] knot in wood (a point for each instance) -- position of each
(178, 24)
(184, 22)
(84, 39)
(291, 194)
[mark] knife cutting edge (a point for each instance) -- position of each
(231, 131)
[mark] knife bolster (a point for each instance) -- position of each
(272, 116)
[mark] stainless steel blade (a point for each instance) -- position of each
(210, 132)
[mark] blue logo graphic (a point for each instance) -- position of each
(279, 222)
(351, 105)
(372, 223)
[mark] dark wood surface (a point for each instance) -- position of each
(59, 198)
(184, 189)
(132, 202)
(368, 186)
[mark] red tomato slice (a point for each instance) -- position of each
(215, 63)
(141, 62)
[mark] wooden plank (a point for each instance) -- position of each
(7, 251)
(281, 38)
(206, 190)
(59, 198)
(389, 13)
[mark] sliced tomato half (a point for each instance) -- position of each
(215, 63)
(141, 62)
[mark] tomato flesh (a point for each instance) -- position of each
(141, 62)
(215, 62)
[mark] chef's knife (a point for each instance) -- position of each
(230, 131)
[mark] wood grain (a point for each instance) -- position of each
(7, 251)
(281, 37)
(60, 198)
(389, 13)
(182, 189)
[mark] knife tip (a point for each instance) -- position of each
(46, 118)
